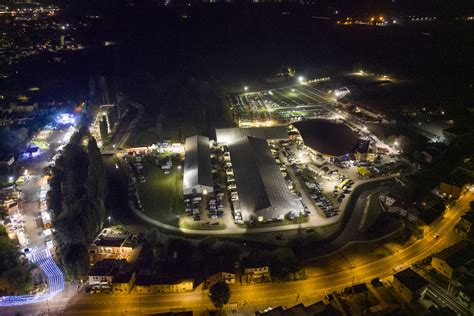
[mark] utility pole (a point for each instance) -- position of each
(47, 304)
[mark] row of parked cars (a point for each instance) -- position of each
(320, 200)
(192, 207)
(216, 208)
(134, 172)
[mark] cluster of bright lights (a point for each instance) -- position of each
(54, 277)
(66, 119)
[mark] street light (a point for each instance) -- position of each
(246, 88)
(300, 79)
(395, 143)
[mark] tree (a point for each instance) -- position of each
(19, 279)
(219, 294)
(283, 262)
(75, 260)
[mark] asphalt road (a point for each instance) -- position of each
(253, 297)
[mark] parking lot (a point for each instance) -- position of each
(282, 104)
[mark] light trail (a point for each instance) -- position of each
(54, 279)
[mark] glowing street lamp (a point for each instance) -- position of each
(395, 143)
(300, 79)
(246, 88)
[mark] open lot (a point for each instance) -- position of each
(162, 194)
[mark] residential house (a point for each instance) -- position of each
(147, 282)
(453, 258)
(316, 309)
(123, 282)
(395, 204)
(409, 285)
(456, 263)
(102, 272)
(227, 277)
(112, 246)
(256, 269)
(464, 227)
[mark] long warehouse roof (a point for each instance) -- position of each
(261, 187)
(227, 135)
(197, 163)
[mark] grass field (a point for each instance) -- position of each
(162, 194)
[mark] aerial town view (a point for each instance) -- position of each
(233, 157)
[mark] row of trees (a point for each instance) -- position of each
(16, 274)
(78, 191)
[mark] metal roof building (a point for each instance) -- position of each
(197, 166)
(261, 187)
(228, 135)
(326, 137)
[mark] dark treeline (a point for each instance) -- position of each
(78, 190)
(12, 270)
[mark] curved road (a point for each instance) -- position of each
(256, 296)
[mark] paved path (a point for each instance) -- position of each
(238, 230)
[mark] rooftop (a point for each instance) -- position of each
(106, 267)
(327, 138)
(197, 163)
(458, 254)
(412, 280)
(261, 187)
(227, 135)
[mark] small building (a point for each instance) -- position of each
(111, 246)
(146, 282)
(316, 309)
(409, 285)
(465, 225)
(453, 185)
(256, 268)
(431, 155)
(363, 151)
(226, 276)
(395, 204)
(452, 259)
(197, 178)
(123, 282)
(102, 272)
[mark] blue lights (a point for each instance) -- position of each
(66, 119)
(54, 279)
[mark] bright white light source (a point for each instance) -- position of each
(246, 88)
(300, 79)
